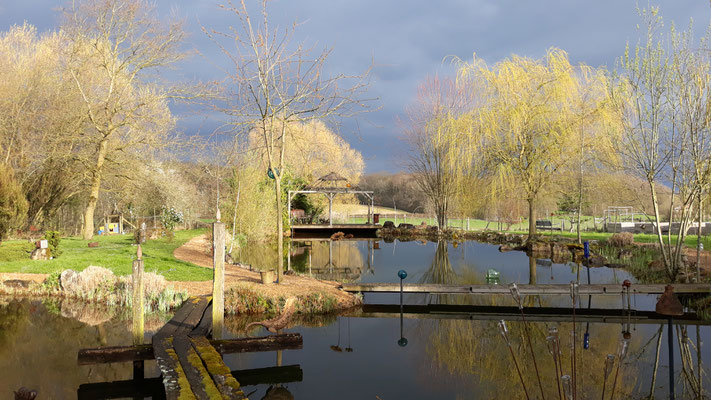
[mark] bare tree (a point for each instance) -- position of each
(434, 134)
(662, 101)
(273, 83)
(115, 45)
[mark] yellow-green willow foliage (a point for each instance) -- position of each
(524, 124)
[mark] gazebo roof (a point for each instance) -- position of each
(331, 177)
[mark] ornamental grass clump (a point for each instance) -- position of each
(99, 284)
(621, 239)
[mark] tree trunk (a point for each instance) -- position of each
(280, 227)
(531, 218)
(94, 191)
(662, 247)
(698, 240)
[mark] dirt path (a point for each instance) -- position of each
(197, 251)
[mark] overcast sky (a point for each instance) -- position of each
(408, 40)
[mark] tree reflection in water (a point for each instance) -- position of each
(475, 348)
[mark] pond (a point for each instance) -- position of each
(361, 355)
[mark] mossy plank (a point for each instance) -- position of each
(198, 380)
(220, 373)
(174, 380)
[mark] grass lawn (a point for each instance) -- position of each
(115, 252)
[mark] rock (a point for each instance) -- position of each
(338, 236)
(39, 254)
(597, 261)
(542, 249)
(228, 259)
(25, 394)
(16, 283)
(388, 225)
(68, 279)
(406, 226)
(93, 244)
(504, 248)
(560, 253)
(615, 265)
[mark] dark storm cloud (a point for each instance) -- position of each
(406, 41)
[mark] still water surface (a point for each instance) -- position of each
(356, 356)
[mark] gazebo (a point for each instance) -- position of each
(328, 185)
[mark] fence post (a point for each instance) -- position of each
(138, 309)
(218, 277)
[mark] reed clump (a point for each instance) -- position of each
(100, 285)
(242, 299)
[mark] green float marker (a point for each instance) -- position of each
(492, 277)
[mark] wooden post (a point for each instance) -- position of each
(330, 209)
(288, 257)
(138, 309)
(218, 278)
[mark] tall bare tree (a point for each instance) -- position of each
(274, 82)
(662, 100)
(115, 46)
(435, 133)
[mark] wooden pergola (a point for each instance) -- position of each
(330, 190)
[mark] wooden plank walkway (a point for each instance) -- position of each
(114, 354)
(533, 314)
(542, 289)
(191, 367)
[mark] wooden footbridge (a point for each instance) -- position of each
(535, 290)
(191, 365)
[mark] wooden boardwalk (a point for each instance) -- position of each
(191, 365)
(533, 314)
(543, 289)
(192, 368)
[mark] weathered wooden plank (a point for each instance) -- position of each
(205, 326)
(287, 341)
(198, 380)
(224, 381)
(174, 379)
(542, 289)
(180, 316)
(101, 355)
(153, 387)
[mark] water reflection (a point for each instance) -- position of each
(454, 347)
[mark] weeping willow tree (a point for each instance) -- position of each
(524, 128)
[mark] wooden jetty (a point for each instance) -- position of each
(190, 364)
(542, 289)
(314, 231)
(533, 314)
